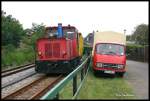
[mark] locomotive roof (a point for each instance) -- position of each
(55, 27)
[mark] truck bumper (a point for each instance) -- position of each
(102, 70)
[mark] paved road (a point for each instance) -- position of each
(137, 77)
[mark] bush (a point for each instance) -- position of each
(17, 56)
(137, 52)
(17, 47)
(87, 50)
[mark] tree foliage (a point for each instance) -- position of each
(37, 31)
(140, 35)
(128, 38)
(12, 30)
(17, 45)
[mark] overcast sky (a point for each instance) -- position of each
(85, 16)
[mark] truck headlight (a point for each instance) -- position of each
(120, 66)
(99, 64)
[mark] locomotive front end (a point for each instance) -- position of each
(57, 50)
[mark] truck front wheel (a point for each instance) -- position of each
(120, 74)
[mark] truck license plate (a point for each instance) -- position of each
(110, 72)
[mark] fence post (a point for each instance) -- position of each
(87, 64)
(82, 74)
(144, 53)
(56, 97)
(74, 84)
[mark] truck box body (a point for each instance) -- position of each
(109, 37)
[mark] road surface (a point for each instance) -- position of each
(137, 77)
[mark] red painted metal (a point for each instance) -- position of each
(57, 49)
(113, 59)
(51, 49)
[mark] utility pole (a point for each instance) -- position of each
(124, 31)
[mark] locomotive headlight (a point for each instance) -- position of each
(120, 66)
(98, 64)
(50, 34)
(64, 53)
(39, 53)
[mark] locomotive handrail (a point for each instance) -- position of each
(84, 67)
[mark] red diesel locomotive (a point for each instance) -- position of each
(59, 51)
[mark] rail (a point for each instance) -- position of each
(35, 89)
(17, 69)
(54, 92)
(7, 70)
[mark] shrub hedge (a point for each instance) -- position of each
(137, 52)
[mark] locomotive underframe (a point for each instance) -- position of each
(56, 67)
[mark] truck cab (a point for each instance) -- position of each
(109, 53)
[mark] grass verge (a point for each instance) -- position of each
(96, 87)
(17, 57)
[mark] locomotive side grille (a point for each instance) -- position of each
(56, 50)
(48, 50)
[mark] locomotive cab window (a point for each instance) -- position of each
(70, 35)
(50, 33)
(68, 32)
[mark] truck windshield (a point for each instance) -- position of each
(110, 49)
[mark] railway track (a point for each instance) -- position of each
(17, 69)
(19, 72)
(35, 89)
(16, 80)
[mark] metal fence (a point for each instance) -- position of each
(54, 92)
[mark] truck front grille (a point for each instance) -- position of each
(108, 65)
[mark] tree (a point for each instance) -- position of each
(128, 38)
(12, 30)
(140, 35)
(37, 31)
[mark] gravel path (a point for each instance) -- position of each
(137, 77)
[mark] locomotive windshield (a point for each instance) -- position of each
(51, 33)
(68, 33)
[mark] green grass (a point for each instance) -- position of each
(17, 57)
(67, 91)
(96, 87)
